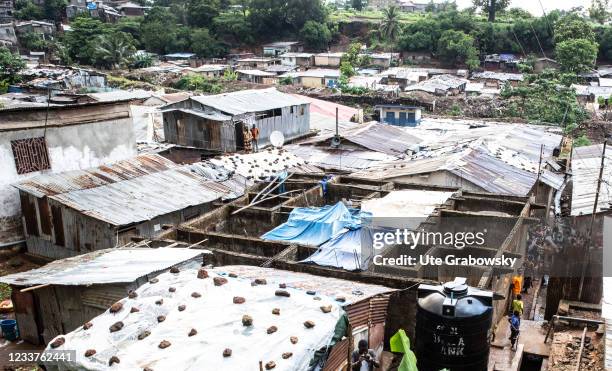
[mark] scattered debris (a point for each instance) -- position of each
(134, 310)
(161, 318)
(227, 352)
(287, 355)
(174, 270)
(326, 308)
(90, 352)
(153, 280)
(132, 294)
(87, 325)
(282, 293)
(270, 365)
(261, 281)
(192, 332)
(164, 344)
(276, 311)
(282, 285)
(144, 334)
(159, 302)
(182, 307)
(113, 360)
(219, 281)
(196, 294)
(309, 324)
(293, 339)
(171, 289)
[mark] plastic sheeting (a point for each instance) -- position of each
(314, 226)
(218, 324)
(351, 251)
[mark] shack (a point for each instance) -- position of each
(394, 114)
(328, 59)
(257, 76)
(216, 122)
(297, 59)
(74, 212)
(36, 138)
(308, 321)
(281, 47)
(63, 295)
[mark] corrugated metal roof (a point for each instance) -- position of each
(249, 101)
(586, 163)
(256, 73)
(349, 159)
(501, 76)
(551, 179)
(438, 82)
(213, 115)
(377, 137)
(120, 265)
(473, 164)
(133, 190)
(120, 95)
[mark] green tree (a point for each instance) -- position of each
(10, 65)
(573, 27)
(491, 7)
(25, 9)
(204, 44)
(357, 4)
(605, 44)
(576, 55)
(546, 98)
(201, 12)
(347, 70)
(599, 11)
(390, 26)
(33, 41)
(456, 47)
(55, 9)
(81, 42)
(233, 28)
(114, 50)
(316, 35)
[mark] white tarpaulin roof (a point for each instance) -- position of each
(104, 266)
(217, 320)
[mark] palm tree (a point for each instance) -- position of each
(114, 51)
(390, 27)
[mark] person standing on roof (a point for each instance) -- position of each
(517, 305)
(255, 135)
(248, 139)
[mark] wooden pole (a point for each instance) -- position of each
(581, 348)
(588, 246)
(35, 287)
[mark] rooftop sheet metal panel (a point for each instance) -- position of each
(586, 163)
(249, 101)
(136, 190)
(123, 265)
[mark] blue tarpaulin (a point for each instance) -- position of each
(314, 226)
(351, 251)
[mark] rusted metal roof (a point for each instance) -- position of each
(377, 137)
(137, 189)
(474, 165)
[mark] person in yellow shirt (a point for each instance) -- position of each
(517, 305)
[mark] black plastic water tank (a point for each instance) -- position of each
(453, 322)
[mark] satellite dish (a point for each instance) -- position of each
(277, 139)
(335, 141)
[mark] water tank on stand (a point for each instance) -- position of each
(452, 327)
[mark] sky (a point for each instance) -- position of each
(533, 6)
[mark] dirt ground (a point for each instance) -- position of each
(565, 348)
(13, 261)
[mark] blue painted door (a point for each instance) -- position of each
(412, 118)
(402, 119)
(390, 118)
